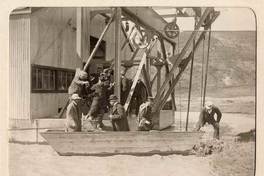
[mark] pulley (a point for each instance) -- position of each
(172, 30)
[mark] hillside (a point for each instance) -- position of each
(232, 60)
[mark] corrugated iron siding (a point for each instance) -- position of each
(19, 52)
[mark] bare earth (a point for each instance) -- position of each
(42, 160)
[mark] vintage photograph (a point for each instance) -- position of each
(132, 91)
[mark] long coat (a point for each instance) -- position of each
(119, 118)
(73, 117)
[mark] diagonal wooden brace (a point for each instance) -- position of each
(147, 80)
(181, 55)
(161, 103)
(136, 78)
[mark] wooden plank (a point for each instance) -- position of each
(181, 55)
(110, 143)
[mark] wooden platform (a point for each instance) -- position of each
(110, 143)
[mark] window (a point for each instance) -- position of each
(50, 79)
(100, 53)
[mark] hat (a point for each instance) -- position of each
(83, 75)
(209, 105)
(113, 97)
(75, 97)
(123, 72)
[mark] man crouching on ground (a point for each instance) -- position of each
(207, 115)
(74, 114)
(118, 115)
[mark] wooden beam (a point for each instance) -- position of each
(152, 81)
(177, 15)
(206, 67)
(158, 79)
(101, 11)
(129, 13)
(117, 67)
(136, 77)
(147, 81)
(181, 55)
(162, 102)
(167, 72)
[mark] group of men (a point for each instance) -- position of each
(97, 95)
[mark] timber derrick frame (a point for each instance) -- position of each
(151, 22)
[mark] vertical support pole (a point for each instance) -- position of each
(202, 81)
(190, 84)
(158, 79)
(37, 130)
(117, 51)
(206, 68)
(82, 33)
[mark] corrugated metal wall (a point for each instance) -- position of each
(19, 52)
(53, 43)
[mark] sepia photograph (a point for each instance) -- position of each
(132, 90)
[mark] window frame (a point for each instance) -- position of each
(56, 70)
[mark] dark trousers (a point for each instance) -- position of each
(212, 122)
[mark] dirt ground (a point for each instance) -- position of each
(42, 160)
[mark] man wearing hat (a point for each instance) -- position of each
(79, 81)
(74, 114)
(145, 115)
(118, 115)
(207, 115)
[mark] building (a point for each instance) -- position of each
(44, 45)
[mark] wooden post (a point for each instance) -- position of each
(206, 68)
(117, 52)
(190, 83)
(158, 79)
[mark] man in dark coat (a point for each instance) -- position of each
(118, 115)
(207, 116)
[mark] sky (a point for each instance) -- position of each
(230, 19)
